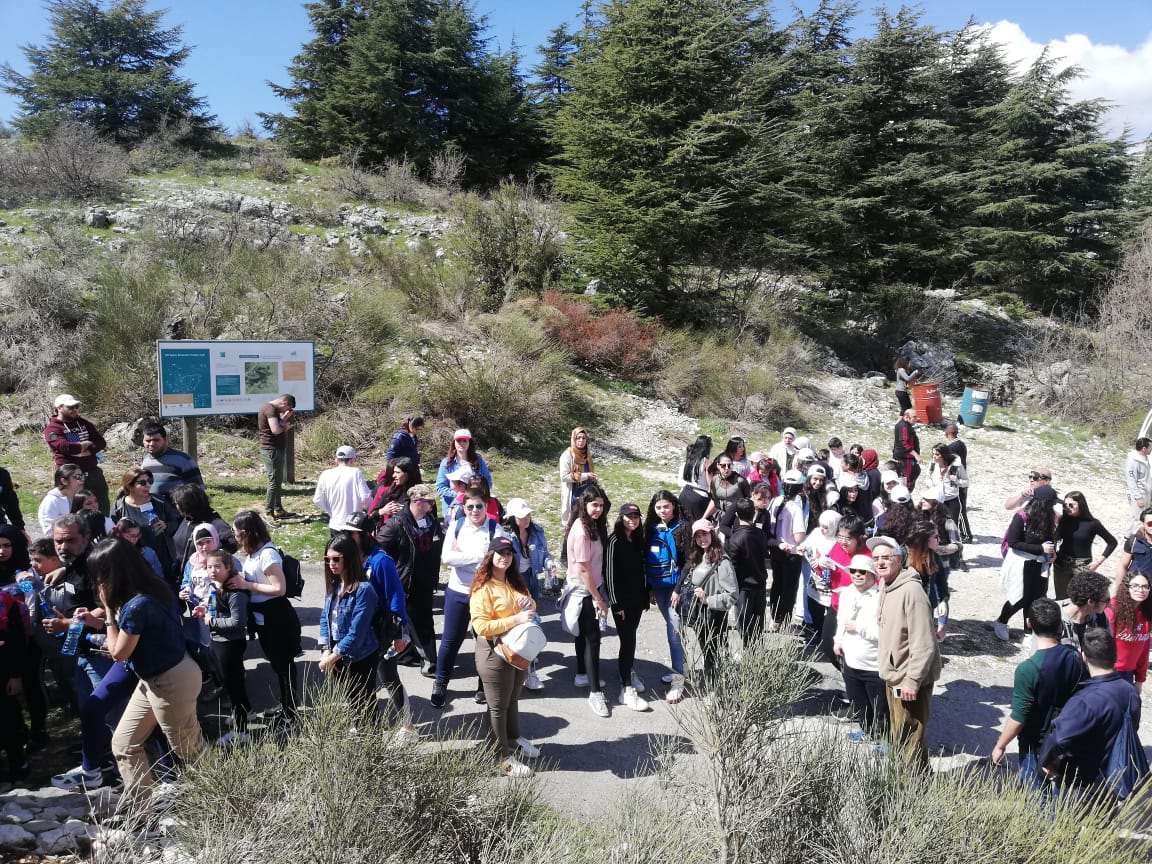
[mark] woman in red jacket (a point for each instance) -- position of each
(1129, 615)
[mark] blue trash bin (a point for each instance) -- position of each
(973, 407)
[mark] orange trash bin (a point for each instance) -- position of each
(926, 402)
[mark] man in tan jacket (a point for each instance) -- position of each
(909, 658)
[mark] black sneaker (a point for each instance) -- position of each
(439, 695)
(480, 698)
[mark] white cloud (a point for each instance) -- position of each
(1112, 72)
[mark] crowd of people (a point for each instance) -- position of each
(137, 604)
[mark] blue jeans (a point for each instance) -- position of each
(90, 671)
(1030, 773)
(456, 618)
(663, 594)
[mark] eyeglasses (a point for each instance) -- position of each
(876, 558)
(472, 507)
(1135, 587)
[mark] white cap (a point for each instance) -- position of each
(518, 508)
(66, 400)
(873, 542)
(345, 452)
(792, 476)
(887, 477)
(461, 474)
(803, 442)
(900, 494)
(861, 562)
(817, 471)
(805, 454)
(461, 433)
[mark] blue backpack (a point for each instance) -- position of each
(1127, 765)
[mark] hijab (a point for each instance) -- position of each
(870, 459)
(19, 560)
(580, 456)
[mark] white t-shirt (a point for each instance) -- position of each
(255, 565)
(340, 492)
(53, 505)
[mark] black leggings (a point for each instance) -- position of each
(230, 656)
(711, 627)
(360, 678)
(279, 638)
(35, 698)
(1035, 587)
(390, 675)
(627, 622)
(785, 583)
(588, 645)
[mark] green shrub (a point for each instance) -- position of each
(511, 241)
(271, 166)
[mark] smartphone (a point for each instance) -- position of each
(896, 693)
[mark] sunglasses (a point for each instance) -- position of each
(1039, 477)
(475, 507)
(860, 572)
(723, 464)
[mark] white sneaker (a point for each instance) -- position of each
(527, 749)
(581, 680)
(638, 683)
(515, 768)
(675, 690)
(532, 681)
(598, 704)
(667, 679)
(633, 700)
(1001, 631)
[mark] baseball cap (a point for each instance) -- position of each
(861, 562)
(518, 508)
(873, 542)
(900, 494)
(345, 452)
(803, 443)
(701, 525)
(817, 471)
(501, 544)
(806, 454)
(422, 492)
(66, 400)
(461, 435)
(1043, 493)
(629, 509)
(792, 476)
(887, 477)
(460, 475)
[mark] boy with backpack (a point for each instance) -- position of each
(1043, 684)
(1094, 738)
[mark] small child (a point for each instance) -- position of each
(129, 531)
(224, 612)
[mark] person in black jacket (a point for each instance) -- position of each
(13, 647)
(414, 539)
(9, 502)
(747, 549)
(627, 588)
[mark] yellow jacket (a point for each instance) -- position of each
(493, 607)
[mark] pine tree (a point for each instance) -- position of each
(1048, 217)
(874, 137)
(114, 69)
(405, 78)
(550, 76)
(666, 157)
(1138, 194)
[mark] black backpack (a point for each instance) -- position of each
(293, 578)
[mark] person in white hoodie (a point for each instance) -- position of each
(857, 637)
(784, 450)
(1136, 479)
(465, 545)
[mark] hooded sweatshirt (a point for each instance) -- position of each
(907, 649)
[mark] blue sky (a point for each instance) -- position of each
(241, 44)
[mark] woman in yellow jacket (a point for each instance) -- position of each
(500, 601)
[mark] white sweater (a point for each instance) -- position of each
(860, 608)
(471, 545)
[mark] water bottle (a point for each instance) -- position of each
(27, 587)
(72, 638)
(603, 619)
(212, 602)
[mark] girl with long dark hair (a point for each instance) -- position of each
(404, 443)
(587, 535)
(710, 578)
(695, 497)
(1031, 544)
(627, 586)
(195, 508)
(666, 545)
(461, 452)
(727, 487)
(348, 641)
(1078, 532)
(737, 453)
(144, 631)
(499, 601)
(272, 615)
(392, 485)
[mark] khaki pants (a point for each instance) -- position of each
(167, 699)
(502, 683)
(909, 724)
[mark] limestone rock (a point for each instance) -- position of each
(15, 837)
(39, 826)
(97, 217)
